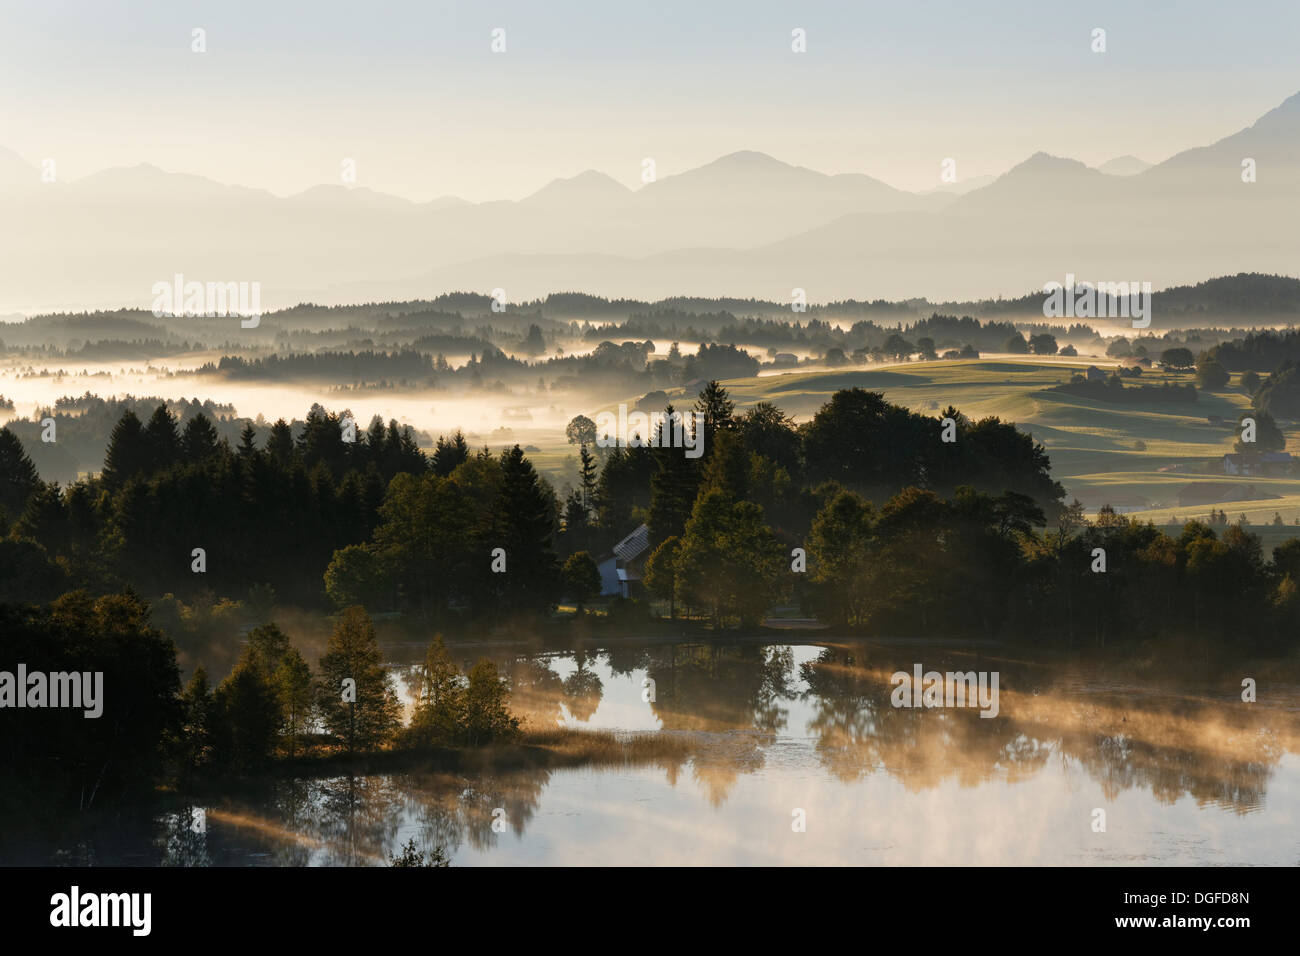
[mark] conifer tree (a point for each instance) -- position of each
(18, 476)
(127, 455)
(199, 440)
(161, 441)
(364, 713)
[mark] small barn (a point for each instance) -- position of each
(1272, 463)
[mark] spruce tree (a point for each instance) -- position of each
(18, 476)
(528, 524)
(161, 441)
(127, 455)
(449, 453)
(587, 473)
(280, 444)
(199, 441)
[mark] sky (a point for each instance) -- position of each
(413, 94)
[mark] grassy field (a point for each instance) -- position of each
(1102, 453)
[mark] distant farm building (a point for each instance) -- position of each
(1271, 463)
(1095, 374)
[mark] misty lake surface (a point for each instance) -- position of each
(1184, 774)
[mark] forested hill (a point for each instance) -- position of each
(1244, 299)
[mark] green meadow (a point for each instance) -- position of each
(1102, 452)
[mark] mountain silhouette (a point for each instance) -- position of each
(745, 224)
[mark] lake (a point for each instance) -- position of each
(776, 734)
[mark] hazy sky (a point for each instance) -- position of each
(411, 91)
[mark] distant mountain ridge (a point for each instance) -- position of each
(1123, 166)
(745, 224)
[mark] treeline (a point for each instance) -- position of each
(446, 342)
(271, 706)
(81, 424)
(975, 564)
(760, 480)
(1279, 393)
(1258, 351)
(671, 324)
(1244, 298)
(375, 521)
(270, 515)
(630, 365)
(476, 539)
(1112, 389)
(366, 365)
(1254, 295)
(863, 337)
(609, 364)
(57, 757)
(949, 330)
(857, 439)
(940, 514)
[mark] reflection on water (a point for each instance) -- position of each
(1184, 774)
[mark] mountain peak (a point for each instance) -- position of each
(1285, 113)
(1043, 165)
(16, 171)
(747, 159)
(1040, 176)
(1045, 160)
(7, 156)
(1126, 165)
(588, 184)
(739, 171)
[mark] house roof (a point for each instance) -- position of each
(633, 545)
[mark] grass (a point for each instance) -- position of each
(573, 746)
(1101, 452)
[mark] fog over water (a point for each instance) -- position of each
(1184, 773)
